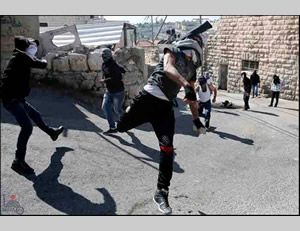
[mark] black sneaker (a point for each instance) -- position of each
(110, 131)
(270, 105)
(55, 132)
(161, 199)
(20, 166)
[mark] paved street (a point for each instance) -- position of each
(247, 164)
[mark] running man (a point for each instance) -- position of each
(154, 104)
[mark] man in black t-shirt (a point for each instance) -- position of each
(154, 104)
(255, 80)
(247, 90)
(114, 95)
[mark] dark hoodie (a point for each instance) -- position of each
(112, 73)
(16, 77)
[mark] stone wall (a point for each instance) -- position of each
(11, 26)
(273, 41)
(84, 71)
(56, 21)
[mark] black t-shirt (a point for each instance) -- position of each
(113, 76)
(247, 84)
(184, 67)
(254, 78)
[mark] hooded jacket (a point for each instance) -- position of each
(16, 77)
(112, 73)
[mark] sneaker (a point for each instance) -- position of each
(110, 131)
(270, 105)
(20, 166)
(55, 132)
(161, 199)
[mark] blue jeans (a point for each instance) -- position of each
(206, 115)
(113, 107)
(23, 113)
(255, 89)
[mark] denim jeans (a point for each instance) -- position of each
(113, 107)
(23, 112)
(206, 115)
(255, 89)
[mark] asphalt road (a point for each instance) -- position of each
(248, 163)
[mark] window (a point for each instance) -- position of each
(249, 65)
(43, 24)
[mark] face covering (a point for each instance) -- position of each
(190, 48)
(31, 50)
(192, 54)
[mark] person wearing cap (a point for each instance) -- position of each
(154, 104)
(15, 88)
(204, 92)
(114, 96)
(247, 90)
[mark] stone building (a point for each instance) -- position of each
(268, 44)
(56, 21)
(11, 26)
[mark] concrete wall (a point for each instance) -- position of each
(273, 41)
(55, 21)
(84, 72)
(11, 26)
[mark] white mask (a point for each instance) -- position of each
(191, 53)
(31, 50)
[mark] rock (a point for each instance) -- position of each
(87, 84)
(49, 57)
(78, 62)
(61, 64)
(95, 61)
(39, 73)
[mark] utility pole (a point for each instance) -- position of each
(200, 17)
(152, 30)
(160, 28)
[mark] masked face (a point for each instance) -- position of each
(31, 50)
(193, 56)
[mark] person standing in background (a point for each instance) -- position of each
(275, 88)
(247, 90)
(255, 80)
(115, 94)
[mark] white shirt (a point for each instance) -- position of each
(275, 87)
(204, 96)
(155, 91)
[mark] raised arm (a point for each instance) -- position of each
(170, 70)
(214, 90)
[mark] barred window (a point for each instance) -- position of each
(249, 65)
(43, 24)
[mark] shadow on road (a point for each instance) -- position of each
(153, 154)
(225, 135)
(227, 112)
(292, 109)
(263, 112)
(62, 197)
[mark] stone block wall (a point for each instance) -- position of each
(64, 20)
(11, 26)
(84, 72)
(273, 41)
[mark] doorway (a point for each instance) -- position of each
(223, 77)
